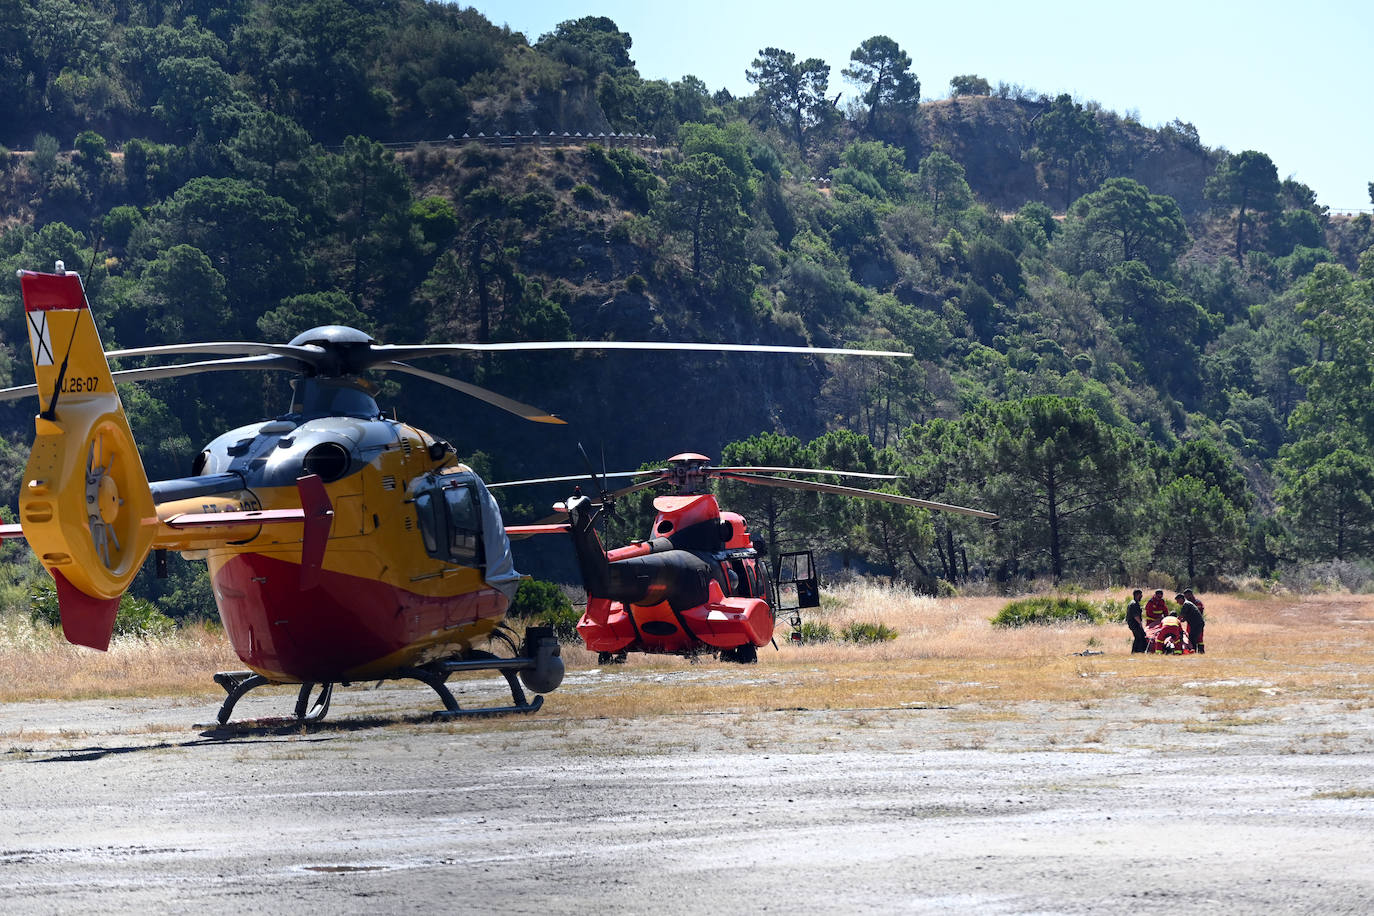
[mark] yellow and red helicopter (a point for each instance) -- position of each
(698, 584)
(342, 545)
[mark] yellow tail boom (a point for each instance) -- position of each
(85, 505)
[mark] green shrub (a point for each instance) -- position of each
(436, 218)
(564, 622)
(544, 604)
(91, 152)
(120, 224)
(858, 632)
(534, 599)
(1112, 611)
(141, 618)
(135, 617)
(45, 153)
(1045, 610)
(623, 174)
(586, 196)
(811, 631)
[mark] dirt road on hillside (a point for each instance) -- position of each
(123, 806)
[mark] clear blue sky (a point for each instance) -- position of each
(1290, 79)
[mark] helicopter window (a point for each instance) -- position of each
(744, 579)
(463, 524)
(424, 507)
(450, 523)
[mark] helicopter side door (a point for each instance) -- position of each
(797, 588)
(450, 518)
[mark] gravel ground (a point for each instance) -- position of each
(125, 805)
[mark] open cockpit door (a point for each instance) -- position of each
(796, 588)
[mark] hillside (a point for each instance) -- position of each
(994, 139)
(1180, 325)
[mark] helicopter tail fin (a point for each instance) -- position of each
(85, 505)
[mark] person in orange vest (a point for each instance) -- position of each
(1155, 611)
(1190, 612)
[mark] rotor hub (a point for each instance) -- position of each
(689, 472)
(107, 499)
(346, 351)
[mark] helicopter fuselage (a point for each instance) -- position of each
(697, 585)
(417, 562)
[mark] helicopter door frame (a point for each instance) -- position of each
(795, 580)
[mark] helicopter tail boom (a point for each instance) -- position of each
(85, 506)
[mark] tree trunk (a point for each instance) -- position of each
(1240, 226)
(696, 236)
(953, 570)
(1056, 558)
(1192, 553)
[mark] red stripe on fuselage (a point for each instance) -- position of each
(342, 625)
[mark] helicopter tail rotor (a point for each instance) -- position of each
(86, 506)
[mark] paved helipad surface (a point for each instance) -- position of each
(129, 805)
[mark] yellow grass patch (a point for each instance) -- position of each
(37, 663)
(1263, 653)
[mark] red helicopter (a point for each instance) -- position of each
(699, 583)
(343, 546)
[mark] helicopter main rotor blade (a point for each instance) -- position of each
(562, 515)
(752, 470)
(270, 362)
(708, 470)
(636, 487)
(307, 354)
(818, 487)
(149, 373)
(490, 397)
(384, 352)
(565, 479)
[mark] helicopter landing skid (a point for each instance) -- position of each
(435, 674)
(540, 667)
(238, 683)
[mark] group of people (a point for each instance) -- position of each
(1158, 628)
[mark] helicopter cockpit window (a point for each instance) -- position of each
(464, 527)
(450, 522)
(429, 526)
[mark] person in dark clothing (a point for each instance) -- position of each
(1188, 593)
(1134, 618)
(1192, 618)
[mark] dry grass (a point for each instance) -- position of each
(1263, 653)
(37, 663)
